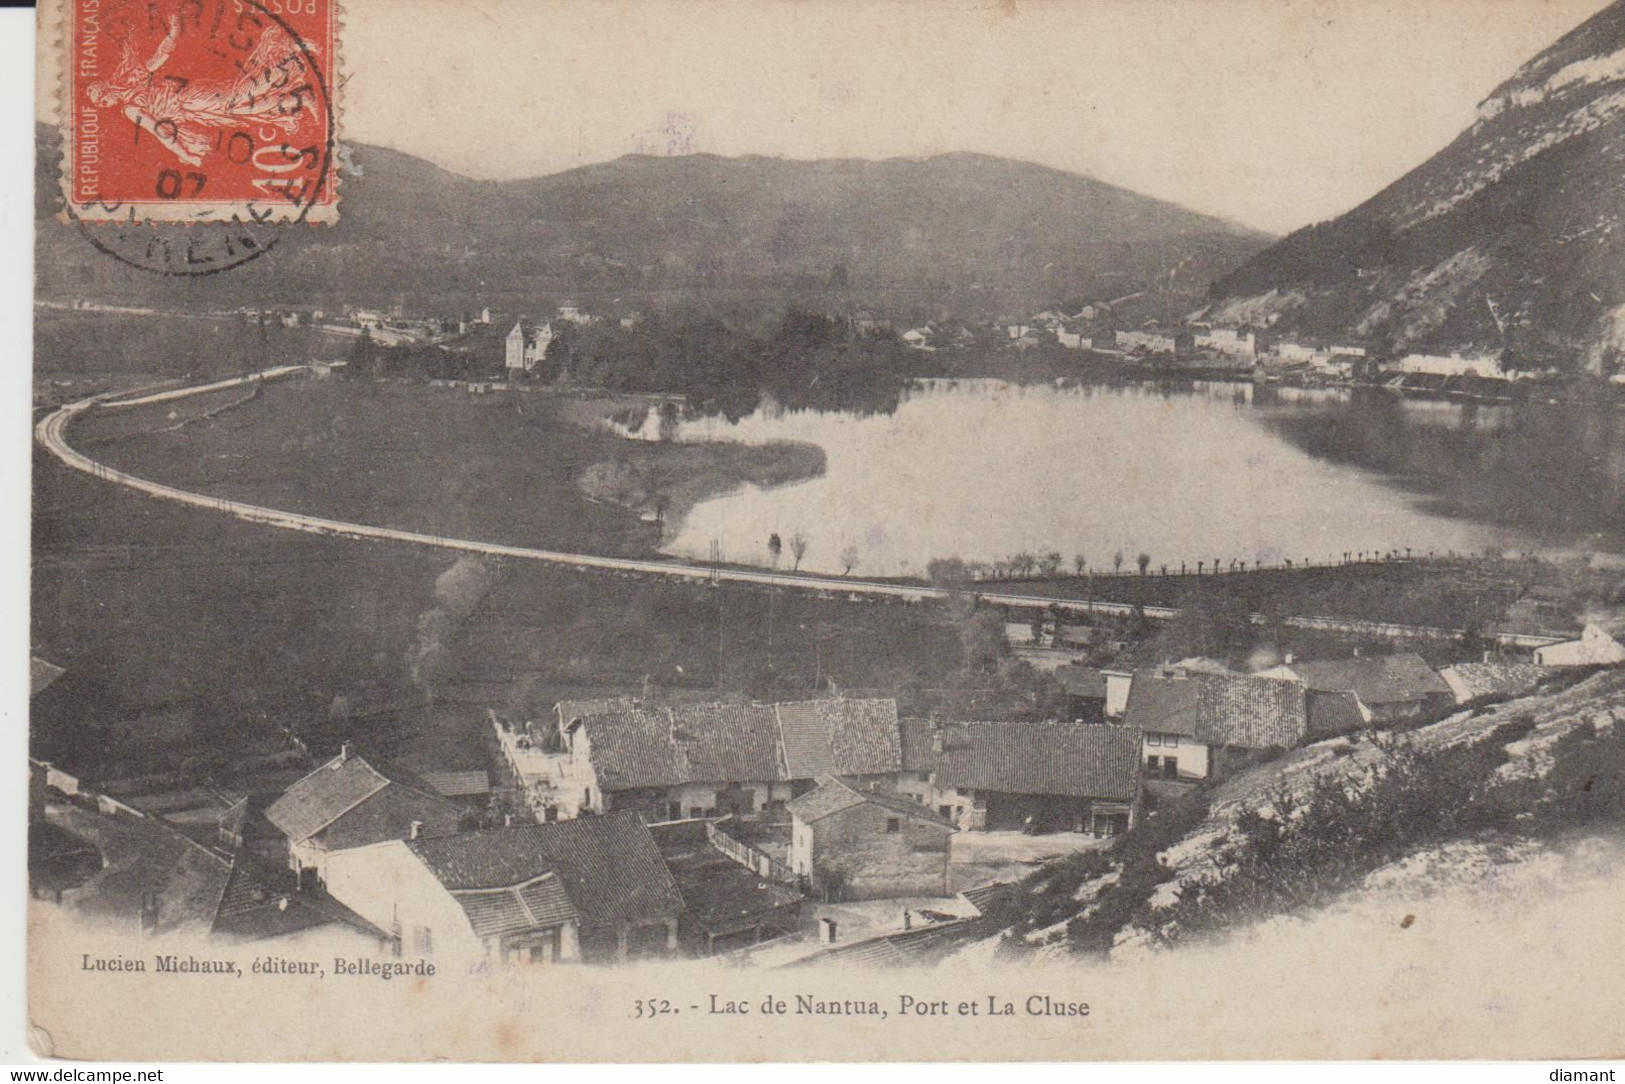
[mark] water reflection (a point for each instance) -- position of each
(1555, 472)
(1187, 472)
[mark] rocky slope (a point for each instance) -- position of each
(1380, 816)
(1511, 236)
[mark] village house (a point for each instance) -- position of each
(675, 761)
(593, 890)
(526, 346)
(733, 895)
(1177, 341)
(1596, 646)
(1243, 341)
(1470, 681)
(1386, 687)
(1318, 354)
(470, 788)
(1118, 685)
(354, 801)
(855, 842)
(1086, 693)
(153, 880)
(1049, 320)
(1455, 364)
(1198, 723)
(671, 762)
(989, 776)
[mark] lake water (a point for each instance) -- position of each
(984, 469)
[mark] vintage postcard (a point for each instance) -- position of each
(838, 530)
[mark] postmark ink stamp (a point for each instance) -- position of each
(196, 131)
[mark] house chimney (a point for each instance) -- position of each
(417, 830)
(1288, 658)
(282, 903)
(938, 745)
(507, 820)
(345, 751)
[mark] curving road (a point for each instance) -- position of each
(51, 432)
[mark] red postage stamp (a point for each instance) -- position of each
(200, 111)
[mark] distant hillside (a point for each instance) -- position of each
(1512, 235)
(953, 229)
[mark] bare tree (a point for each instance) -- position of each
(798, 548)
(849, 560)
(775, 547)
(1117, 561)
(1079, 563)
(1144, 561)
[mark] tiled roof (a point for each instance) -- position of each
(1163, 705)
(634, 748)
(1220, 709)
(984, 896)
(839, 737)
(571, 710)
(1470, 680)
(1251, 712)
(458, 784)
(1334, 713)
(609, 866)
(535, 905)
(833, 795)
(200, 890)
(141, 856)
(334, 789)
(725, 742)
(1076, 759)
(667, 745)
(1375, 679)
(259, 902)
(1082, 681)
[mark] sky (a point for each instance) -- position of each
(1271, 113)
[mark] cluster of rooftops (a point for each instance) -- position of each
(635, 744)
(601, 868)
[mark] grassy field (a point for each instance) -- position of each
(79, 352)
(191, 638)
(156, 609)
(500, 467)
(1443, 594)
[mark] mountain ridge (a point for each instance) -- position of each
(1513, 235)
(925, 233)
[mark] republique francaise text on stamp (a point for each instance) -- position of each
(215, 112)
